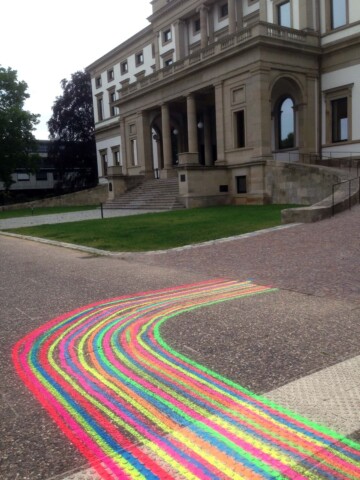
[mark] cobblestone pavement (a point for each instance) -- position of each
(266, 343)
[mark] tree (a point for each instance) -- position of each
(17, 143)
(71, 128)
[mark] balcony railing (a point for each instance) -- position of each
(224, 44)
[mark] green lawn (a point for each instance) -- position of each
(156, 231)
(27, 212)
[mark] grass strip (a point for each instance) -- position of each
(157, 231)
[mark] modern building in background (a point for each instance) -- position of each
(217, 92)
(40, 181)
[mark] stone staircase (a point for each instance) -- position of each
(153, 194)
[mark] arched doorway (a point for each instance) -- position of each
(286, 97)
(286, 126)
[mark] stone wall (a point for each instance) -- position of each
(312, 186)
(298, 183)
(92, 196)
(201, 186)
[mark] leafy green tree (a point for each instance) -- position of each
(17, 142)
(71, 127)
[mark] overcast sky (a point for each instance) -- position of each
(47, 40)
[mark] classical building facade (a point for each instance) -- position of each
(215, 92)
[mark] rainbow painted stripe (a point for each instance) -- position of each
(135, 408)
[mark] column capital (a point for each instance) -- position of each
(179, 21)
(203, 8)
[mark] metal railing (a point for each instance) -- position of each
(343, 182)
(348, 160)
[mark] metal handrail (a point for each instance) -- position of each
(341, 183)
(333, 156)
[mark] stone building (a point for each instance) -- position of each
(219, 93)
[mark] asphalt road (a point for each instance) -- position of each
(310, 324)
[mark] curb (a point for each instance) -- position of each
(96, 251)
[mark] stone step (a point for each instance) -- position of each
(150, 195)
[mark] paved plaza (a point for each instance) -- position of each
(276, 313)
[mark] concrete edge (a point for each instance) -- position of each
(96, 251)
(324, 209)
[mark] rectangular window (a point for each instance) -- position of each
(98, 82)
(124, 67)
(223, 10)
(167, 35)
(110, 75)
(241, 184)
(240, 129)
(104, 164)
(139, 58)
(339, 111)
(100, 108)
(23, 177)
(116, 157)
(112, 99)
(168, 62)
(197, 25)
(338, 13)
(134, 157)
(41, 176)
(284, 14)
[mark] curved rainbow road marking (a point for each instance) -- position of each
(135, 408)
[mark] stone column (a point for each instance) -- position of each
(123, 146)
(192, 124)
(179, 40)
(258, 120)
(307, 17)
(263, 10)
(204, 25)
(239, 15)
(156, 51)
(232, 16)
(220, 131)
(144, 143)
(211, 26)
(207, 139)
(166, 136)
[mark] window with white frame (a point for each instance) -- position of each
(196, 25)
(112, 98)
(338, 13)
(104, 163)
(223, 10)
(339, 114)
(139, 58)
(167, 37)
(340, 120)
(283, 13)
(116, 156)
(110, 75)
(100, 108)
(124, 68)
